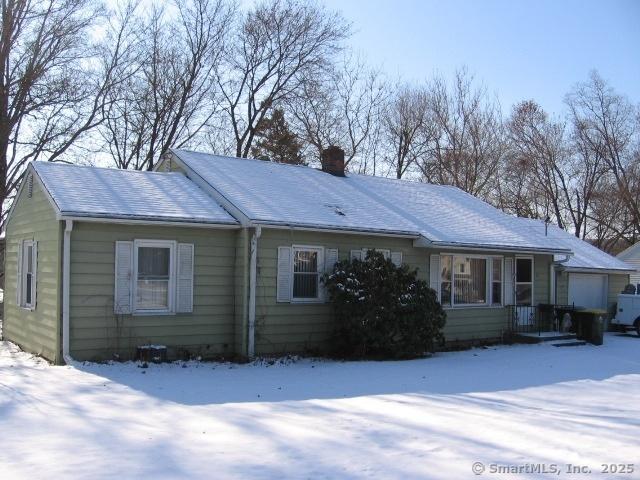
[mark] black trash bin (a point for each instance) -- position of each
(590, 326)
(596, 324)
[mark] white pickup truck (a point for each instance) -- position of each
(628, 312)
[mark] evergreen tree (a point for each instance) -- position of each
(275, 141)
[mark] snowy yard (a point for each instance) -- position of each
(431, 418)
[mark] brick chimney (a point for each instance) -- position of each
(333, 161)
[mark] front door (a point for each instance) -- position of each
(524, 291)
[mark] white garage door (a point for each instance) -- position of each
(588, 290)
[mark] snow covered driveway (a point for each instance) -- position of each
(433, 418)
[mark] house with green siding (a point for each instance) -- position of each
(216, 256)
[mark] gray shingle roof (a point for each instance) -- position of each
(110, 193)
(585, 256)
(271, 193)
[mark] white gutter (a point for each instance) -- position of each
(346, 230)
(253, 276)
(66, 283)
(136, 221)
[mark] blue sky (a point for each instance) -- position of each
(517, 49)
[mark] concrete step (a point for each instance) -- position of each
(569, 343)
(545, 337)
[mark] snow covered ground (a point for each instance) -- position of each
(432, 418)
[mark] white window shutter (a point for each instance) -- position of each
(434, 273)
(509, 288)
(396, 258)
(330, 259)
(34, 277)
(184, 283)
(356, 255)
(285, 275)
(19, 276)
(122, 302)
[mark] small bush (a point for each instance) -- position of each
(383, 311)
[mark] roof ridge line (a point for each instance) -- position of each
(36, 163)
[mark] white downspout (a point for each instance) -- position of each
(66, 283)
(253, 275)
(552, 283)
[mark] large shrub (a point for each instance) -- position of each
(383, 311)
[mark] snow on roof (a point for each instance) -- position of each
(448, 215)
(110, 193)
(585, 256)
(272, 193)
(630, 253)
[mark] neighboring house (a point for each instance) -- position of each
(631, 256)
(219, 256)
(590, 277)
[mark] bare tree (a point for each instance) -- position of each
(169, 96)
(406, 128)
(54, 81)
(342, 108)
(565, 173)
(610, 220)
(516, 189)
(279, 45)
(468, 141)
(609, 127)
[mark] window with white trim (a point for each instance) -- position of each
(524, 280)
(154, 276)
(470, 280)
(307, 263)
(27, 274)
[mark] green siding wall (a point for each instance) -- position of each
(285, 327)
(97, 333)
(241, 290)
(36, 331)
